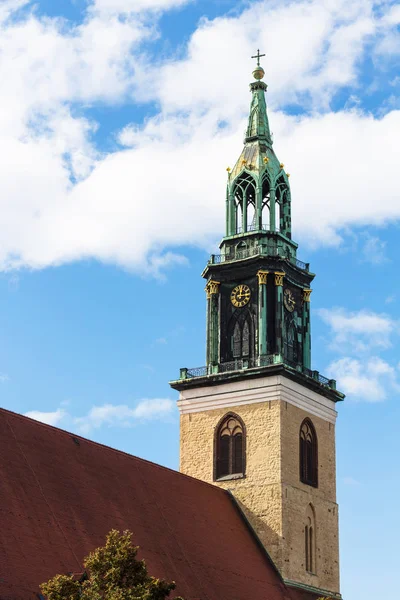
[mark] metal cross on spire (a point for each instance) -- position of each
(258, 56)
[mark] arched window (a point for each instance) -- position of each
(241, 334)
(245, 201)
(266, 203)
(229, 456)
(308, 454)
(290, 343)
(283, 221)
(309, 540)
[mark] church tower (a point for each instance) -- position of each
(257, 420)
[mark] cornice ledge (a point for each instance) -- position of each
(314, 590)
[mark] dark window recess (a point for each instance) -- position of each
(224, 451)
(290, 344)
(230, 448)
(307, 552)
(237, 342)
(246, 340)
(308, 454)
(309, 547)
(241, 339)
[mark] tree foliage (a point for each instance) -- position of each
(112, 573)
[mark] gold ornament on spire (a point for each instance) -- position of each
(258, 72)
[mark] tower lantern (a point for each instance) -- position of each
(257, 419)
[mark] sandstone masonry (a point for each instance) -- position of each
(270, 493)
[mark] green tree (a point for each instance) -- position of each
(112, 573)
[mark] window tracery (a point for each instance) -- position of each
(229, 459)
(308, 454)
(290, 343)
(241, 336)
(245, 202)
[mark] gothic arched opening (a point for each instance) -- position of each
(310, 540)
(290, 343)
(308, 454)
(245, 203)
(283, 208)
(266, 203)
(241, 335)
(229, 447)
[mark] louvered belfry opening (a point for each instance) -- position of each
(308, 454)
(230, 447)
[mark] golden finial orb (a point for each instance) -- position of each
(258, 73)
(228, 169)
(266, 160)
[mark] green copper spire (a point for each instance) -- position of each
(258, 126)
(258, 194)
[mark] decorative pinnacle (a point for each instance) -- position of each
(258, 72)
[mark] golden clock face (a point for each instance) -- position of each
(240, 295)
(289, 300)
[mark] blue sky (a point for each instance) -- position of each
(117, 122)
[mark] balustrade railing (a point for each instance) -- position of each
(265, 250)
(196, 372)
(251, 363)
(300, 264)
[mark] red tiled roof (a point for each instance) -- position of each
(61, 494)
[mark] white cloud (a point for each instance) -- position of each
(61, 200)
(123, 415)
(365, 378)
(134, 6)
(359, 331)
(111, 415)
(4, 378)
(371, 380)
(50, 418)
(374, 249)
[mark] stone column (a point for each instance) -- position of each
(231, 215)
(244, 213)
(262, 314)
(306, 329)
(212, 289)
(279, 313)
(259, 207)
(272, 211)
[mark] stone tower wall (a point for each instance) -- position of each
(271, 494)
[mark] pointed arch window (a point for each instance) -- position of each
(241, 341)
(290, 343)
(308, 454)
(245, 202)
(229, 447)
(266, 203)
(309, 540)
